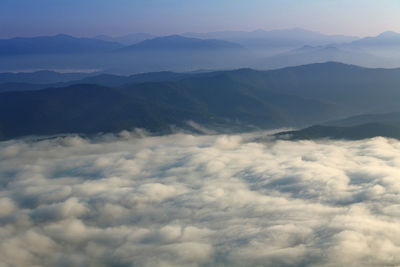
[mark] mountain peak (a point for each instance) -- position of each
(389, 34)
(62, 35)
(176, 42)
(173, 37)
(259, 31)
(388, 38)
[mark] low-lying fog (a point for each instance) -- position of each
(199, 200)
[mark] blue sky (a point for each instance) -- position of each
(118, 17)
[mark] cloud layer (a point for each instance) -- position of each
(199, 200)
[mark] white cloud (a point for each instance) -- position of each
(199, 200)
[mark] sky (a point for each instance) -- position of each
(162, 17)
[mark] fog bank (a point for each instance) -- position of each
(199, 200)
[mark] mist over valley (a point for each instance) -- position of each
(199, 133)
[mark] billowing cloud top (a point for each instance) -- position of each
(199, 200)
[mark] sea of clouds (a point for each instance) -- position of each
(187, 200)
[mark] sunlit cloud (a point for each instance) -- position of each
(199, 200)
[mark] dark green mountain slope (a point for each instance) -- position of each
(14, 87)
(391, 118)
(352, 89)
(356, 127)
(117, 80)
(355, 89)
(295, 97)
(357, 132)
(46, 79)
(153, 106)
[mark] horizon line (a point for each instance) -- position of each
(193, 32)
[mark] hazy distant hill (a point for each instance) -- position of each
(219, 50)
(287, 38)
(129, 39)
(319, 54)
(384, 39)
(181, 53)
(46, 79)
(176, 42)
(24, 81)
(58, 44)
(15, 86)
(42, 77)
(116, 80)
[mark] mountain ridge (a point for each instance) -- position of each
(283, 37)
(56, 44)
(178, 42)
(357, 132)
(242, 98)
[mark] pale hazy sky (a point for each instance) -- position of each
(118, 17)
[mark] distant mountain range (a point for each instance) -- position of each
(129, 39)
(384, 39)
(177, 42)
(58, 44)
(240, 99)
(286, 38)
(318, 54)
(47, 102)
(64, 44)
(23, 81)
(190, 51)
(45, 79)
(42, 77)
